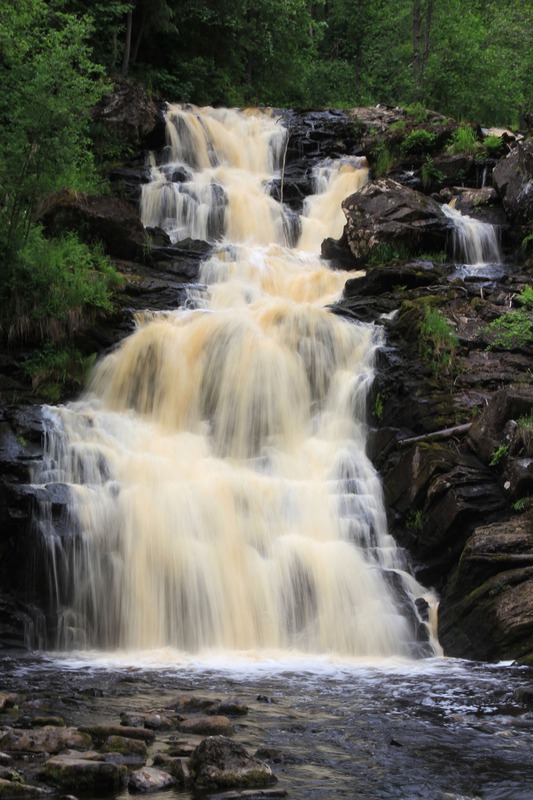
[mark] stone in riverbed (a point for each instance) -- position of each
(207, 726)
(219, 762)
(122, 750)
(14, 789)
(49, 739)
(101, 732)
(150, 779)
(176, 765)
(77, 771)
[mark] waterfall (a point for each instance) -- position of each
(474, 242)
(220, 495)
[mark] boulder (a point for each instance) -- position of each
(111, 220)
(150, 779)
(177, 766)
(220, 763)
(122, 750)
(486, 609)
(102, 732)
(513, 179)
(49, 739)
(207, 726)
(385, 213)
(14, 789)
(129, 115)
(488, 432)
(74, 771)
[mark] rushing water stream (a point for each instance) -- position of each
(226, 529)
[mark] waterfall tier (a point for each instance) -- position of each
(221, 497)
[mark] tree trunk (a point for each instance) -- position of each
(127, 45)
(422, 17)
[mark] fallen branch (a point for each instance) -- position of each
(446, 433)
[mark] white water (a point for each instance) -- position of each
(221, 495)
(474, 242)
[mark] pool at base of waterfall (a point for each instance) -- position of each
(435, 729)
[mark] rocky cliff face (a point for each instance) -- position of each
(451, 422)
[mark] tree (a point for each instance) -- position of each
(49, 84)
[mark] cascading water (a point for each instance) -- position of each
(474, 242)
(221, 497)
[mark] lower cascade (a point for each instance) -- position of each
(220, 497)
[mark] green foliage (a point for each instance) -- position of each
(48, 84)
(54, 367)
(415, 520)
(51, 286)
(417, 141)
(437, 343)
(492, 144)
(523, 504)
(384, 253)
(525, 298)
(464, 140)
(384, 160)
(417, 111)
(511, 329)
(378, 406)
(430, 173)
(498, 455)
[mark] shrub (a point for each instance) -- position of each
(436, 342)
(49, 287)
(417, 141)
(464, 140)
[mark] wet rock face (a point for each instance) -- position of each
(513, 178)
(128, 114)
(486, 612)
(111, 220)
(386, 213)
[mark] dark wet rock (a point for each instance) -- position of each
(102, 732)
(129, 115)
(389, 277)
(158, 722)
(453, 169)
(231, 707)
(190, 703)
(14, 789)
(489, 431)
(84, 772)
(150, 779)
(513, 179)
(177, 766)
(44, 740)
(207, 726)
(385, 213)
(221, 763)
(183, 747)
(486, 608)
(128, 751)
(276, 756)
(110, 220)
(252, 794)
(524, 695)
